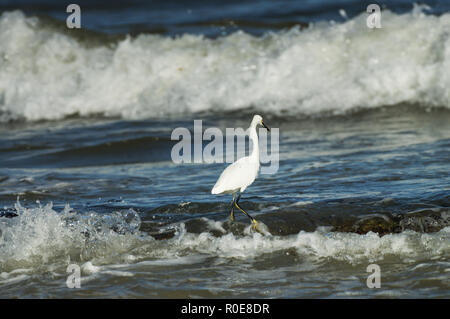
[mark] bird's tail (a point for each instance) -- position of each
(215, 190)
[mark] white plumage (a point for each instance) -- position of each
(236, 177)
(242, 173)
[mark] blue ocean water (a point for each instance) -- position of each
(86, 175)
(211, 18)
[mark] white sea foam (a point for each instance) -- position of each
(40, 237)
(326, 68)
(349, 247)
(88, 268)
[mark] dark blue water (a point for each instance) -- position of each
(210, 18)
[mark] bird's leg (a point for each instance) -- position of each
(255, 223)
(232, 208)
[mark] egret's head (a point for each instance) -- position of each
(258, 120)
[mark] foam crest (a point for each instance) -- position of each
(321, 244)
(40, 236)
(331, 68)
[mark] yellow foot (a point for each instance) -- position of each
(255, 225)
(232, 217)
(260, 228)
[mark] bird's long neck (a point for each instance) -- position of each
(254, 156)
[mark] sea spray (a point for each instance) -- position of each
(326, 68)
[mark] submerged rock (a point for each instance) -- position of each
(286, 221)
(425, 221)
(8, 213)
(375, 224)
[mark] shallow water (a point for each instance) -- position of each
(333, 173)
(86, 175)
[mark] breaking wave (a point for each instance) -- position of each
(40, 237)
(325, 68)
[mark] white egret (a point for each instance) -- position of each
(242, 173)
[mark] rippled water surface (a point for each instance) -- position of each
(371, 187)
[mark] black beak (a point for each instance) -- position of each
(265, 126)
